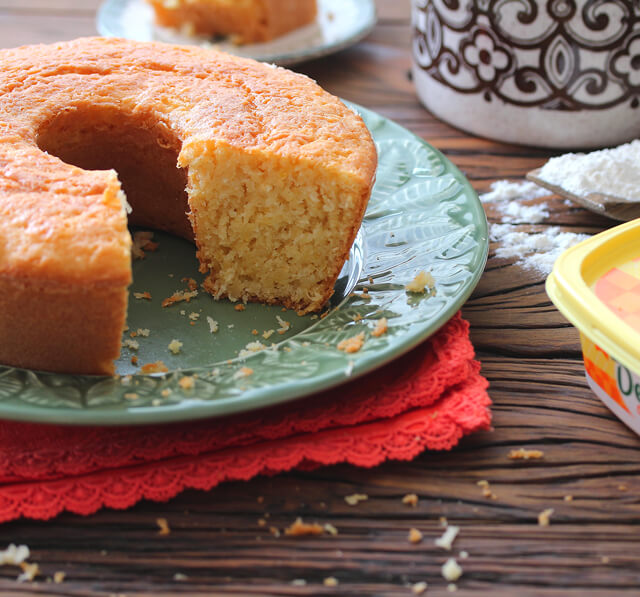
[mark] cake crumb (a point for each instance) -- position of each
(175, 346)
(142, 295)
(411, 499)
(451, 570)
(524, 454)
(254, 332)
(193, 316)
(274, 531)
(191, 283)
(355, 498)
(381, 328)
(239, 307)
(163, 526)
(353, 344)
(131, 344)
(423, 281)
(419, 588)
(464, 555)
(568, 498)
(605, 559)
(213, 324)
(544, 518)
(486, 489)
(447, 538)
(131, 396)
(142, 241)
(299, 582)
(179, 296)
(179, 576)
(144, 332)
(300, 528)
(267, 334)
(330, 581)
(243, 372)
(452, 587)
(157, 367)
(187, 382)
(59, 576)
(415, 535)
(29, 572)
(622, 487)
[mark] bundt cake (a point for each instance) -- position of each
(265, 171)
(246, 21)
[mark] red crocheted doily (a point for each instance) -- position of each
(427, 399)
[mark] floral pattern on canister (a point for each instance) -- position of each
(555, 54)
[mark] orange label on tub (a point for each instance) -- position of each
(620, 384)
(619, 289)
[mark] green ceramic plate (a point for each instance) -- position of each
(423, 216)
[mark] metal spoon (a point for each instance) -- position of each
(617, 208)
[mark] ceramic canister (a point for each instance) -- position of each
(552, 73)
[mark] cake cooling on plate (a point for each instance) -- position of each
(246, 21)
(267, 173)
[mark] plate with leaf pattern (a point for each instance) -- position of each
(423, 216)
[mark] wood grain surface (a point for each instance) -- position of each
(531, 357)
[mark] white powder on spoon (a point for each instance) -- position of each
(613, 172)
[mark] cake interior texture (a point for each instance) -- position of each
(264, 171)
(246, 20)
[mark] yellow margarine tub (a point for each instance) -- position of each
(596, 286)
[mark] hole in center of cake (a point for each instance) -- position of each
(142, 150)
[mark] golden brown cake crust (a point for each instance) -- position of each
(65, 227)
(247, 21)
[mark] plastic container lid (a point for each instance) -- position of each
(571, 288)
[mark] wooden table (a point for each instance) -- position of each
(532, 359)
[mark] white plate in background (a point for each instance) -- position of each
(340, 24)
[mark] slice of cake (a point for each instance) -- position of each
(269, 174)
(246, 21)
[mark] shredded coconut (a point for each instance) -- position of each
(451, 570)
(505, 190)
(251, 348)
(213, 324)
(175, 346)
(284, 325)
(355, 498)
(534, 250)
(607, 171)
(14, 555)
(447, 539)
(507, 195)
(419, 588)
